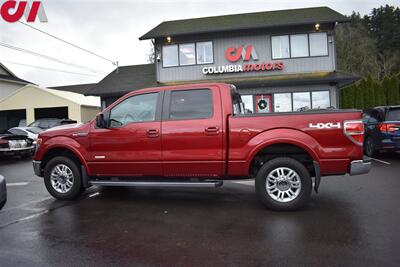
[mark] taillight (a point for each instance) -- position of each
(354, 130)
(3, 143)
(387, 127)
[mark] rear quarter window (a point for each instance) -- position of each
(393, 115)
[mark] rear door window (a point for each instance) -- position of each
(191, 104)
(393, 115)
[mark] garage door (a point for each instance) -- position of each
(58, 113)
(11, 118)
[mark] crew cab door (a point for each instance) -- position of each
(131, 144)
(192, 133)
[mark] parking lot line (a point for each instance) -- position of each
(17, 184)
(381, 161)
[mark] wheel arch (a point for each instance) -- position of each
(65, 151)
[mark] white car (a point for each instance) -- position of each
(30, 132)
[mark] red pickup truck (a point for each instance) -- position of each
(197, 136)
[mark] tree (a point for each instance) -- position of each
(359, 98)
(356, 51)
(383, 25)
(151, 56)
(391, 86)
(367, 85)
(370, 44)
(380, 95)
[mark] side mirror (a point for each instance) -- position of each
(100, 121)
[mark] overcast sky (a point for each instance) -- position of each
(112, 28)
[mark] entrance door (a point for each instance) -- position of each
(131, 145)
(192, 133)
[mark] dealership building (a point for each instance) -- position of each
(280, 61)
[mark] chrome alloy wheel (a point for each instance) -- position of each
(62, 178)
(283, 184)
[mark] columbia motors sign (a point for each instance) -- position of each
(13, 11)
(234, 54)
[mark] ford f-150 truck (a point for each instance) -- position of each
(199, 135)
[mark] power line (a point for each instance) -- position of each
(50, 69)
(50, 58)
(69, 43)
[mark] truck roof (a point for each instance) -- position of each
(183, 86)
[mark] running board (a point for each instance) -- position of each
(205, 184)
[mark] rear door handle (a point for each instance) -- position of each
(152, 133)
(212, 130)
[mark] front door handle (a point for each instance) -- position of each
(152, 133)
(212, 130)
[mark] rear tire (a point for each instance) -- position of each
(283, 184)
(369, 148)
(63, 179)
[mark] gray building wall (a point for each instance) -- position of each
(262, 45)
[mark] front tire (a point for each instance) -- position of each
(283, 184)
(63, 179)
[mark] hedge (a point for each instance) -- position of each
(368, 93)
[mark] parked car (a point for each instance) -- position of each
(31, 132)
(382, 130)
(197, 136)
(3, 192)
(50, 123)
(16, 145)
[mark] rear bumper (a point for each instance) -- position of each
(37, 168)
(360, 166)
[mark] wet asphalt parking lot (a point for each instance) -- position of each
(353, 221)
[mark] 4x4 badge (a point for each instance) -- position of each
(328, 125)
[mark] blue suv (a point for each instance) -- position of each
(382, 129)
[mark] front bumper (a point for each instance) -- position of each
(17, 151)
(37, 168)
(360, 166)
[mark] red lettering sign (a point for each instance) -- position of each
(233, 54)
(12, 11)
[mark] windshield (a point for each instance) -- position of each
(34, 130)
(393, 114)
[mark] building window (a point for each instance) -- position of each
(301, 101)
(205, 54)
(320, 99)
(186, 54)
(191, 104)
(283, 102)
(280, 46)
(318, 44)
(299, 45)
(170, 55)
(248, 103)
(189, 54)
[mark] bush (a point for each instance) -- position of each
(369, 93)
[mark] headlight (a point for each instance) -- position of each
(38, 142)
(17, 144)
